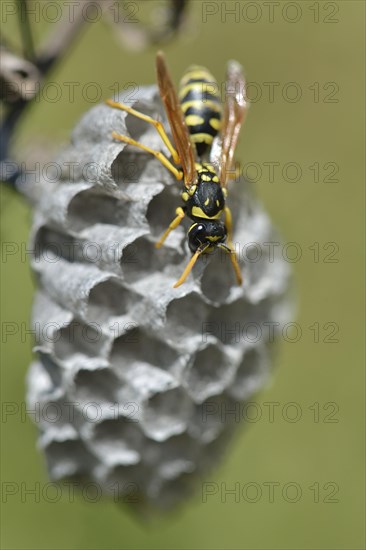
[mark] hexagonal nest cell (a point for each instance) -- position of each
(152, 358)
(100, 384)
(91, 206)
(116, 441)
(185, 318)
(141, 256)
(51, 244)
(78, 338)
(108, 299)
(138, 347)
(209, 373)
(166, 413)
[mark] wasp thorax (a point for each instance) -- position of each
(207, 201)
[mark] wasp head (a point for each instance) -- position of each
(206, 232)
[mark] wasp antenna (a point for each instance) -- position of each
(190, 265)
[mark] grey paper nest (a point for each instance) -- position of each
(135, 380)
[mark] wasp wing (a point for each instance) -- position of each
(235, 110)
(176, 121)
(215, 153)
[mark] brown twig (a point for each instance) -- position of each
(26, 31)
(50, 53)
(23, 79)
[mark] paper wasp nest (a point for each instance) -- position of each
(136, 381)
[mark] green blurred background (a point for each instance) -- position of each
(324, 448)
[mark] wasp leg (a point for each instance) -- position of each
(229, 226)
(158, 125)
(157, 154)
(180, 215)
(234, 262)
(200, 250)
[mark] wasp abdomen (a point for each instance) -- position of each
(201, 105)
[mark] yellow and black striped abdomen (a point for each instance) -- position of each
(201, 105)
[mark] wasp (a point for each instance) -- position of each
(205, 135)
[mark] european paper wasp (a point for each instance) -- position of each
(205, 135)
